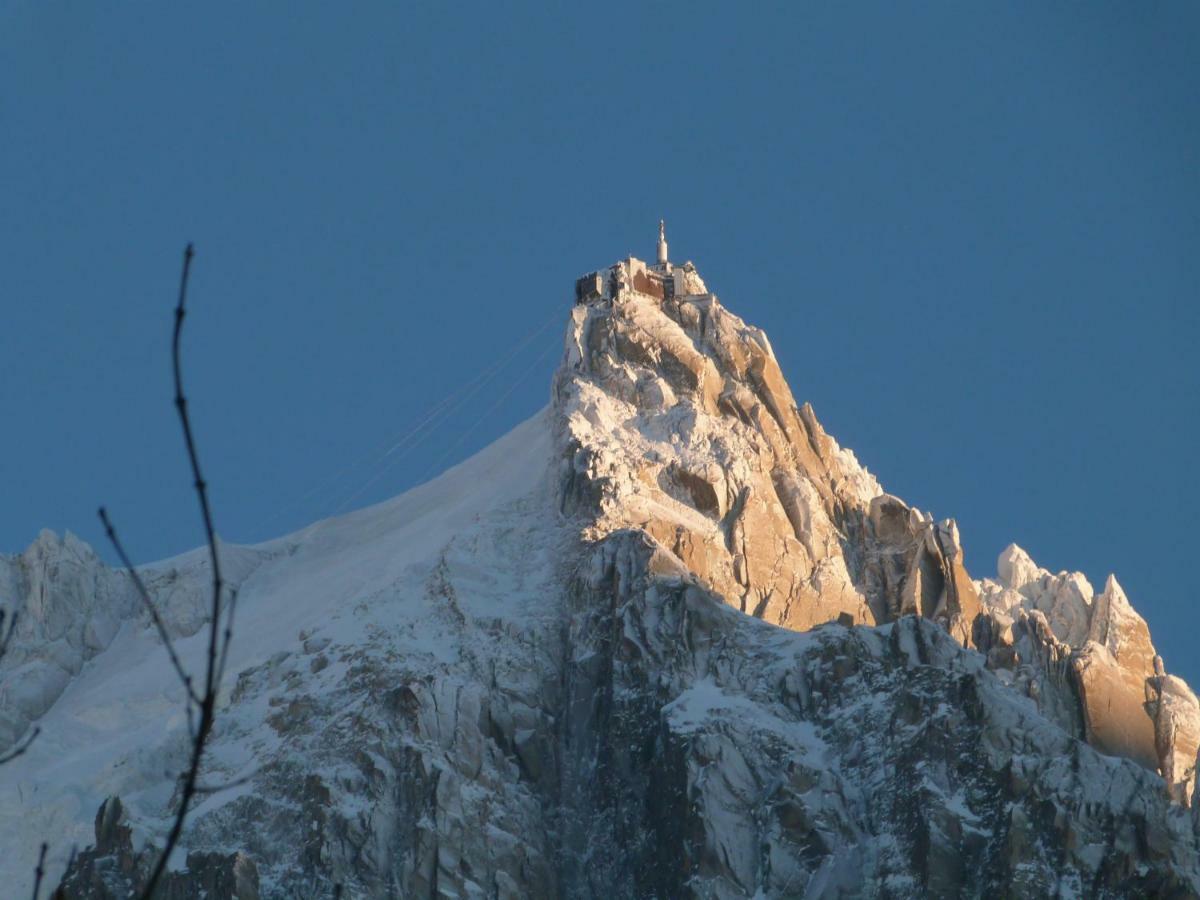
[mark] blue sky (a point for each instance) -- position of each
(970, 230)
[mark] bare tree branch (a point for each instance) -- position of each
(184, 677)
(39, 873)
(231, 607)
(6, 635)
(21, 747)
(220, 632)
(198, 479)
(208, 698)
(226, 785)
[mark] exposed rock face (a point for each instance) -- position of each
(916, 567)
(111, 870)
(1113, 667)
(1176, 715)
(678, 421)
(726, 759)
(1088, 661)
(69, 608)
(667, 639)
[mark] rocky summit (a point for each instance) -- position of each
(665, 639)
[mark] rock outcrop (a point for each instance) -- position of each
(70, 607)
(666, 639)
(1088, 660)
(678, 421)
(111, 869)
(885, 762)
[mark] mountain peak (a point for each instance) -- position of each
(678, 421)
(667, 620)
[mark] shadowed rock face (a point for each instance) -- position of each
(721, 758)
(630, 682)
(111, 869)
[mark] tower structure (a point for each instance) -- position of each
(635, 277)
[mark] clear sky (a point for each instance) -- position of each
(971, 231)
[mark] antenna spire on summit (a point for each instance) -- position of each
(662, 242)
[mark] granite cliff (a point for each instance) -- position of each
(665, 639)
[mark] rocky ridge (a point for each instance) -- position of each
(707, 451)
(1088, 660)
(665, 639)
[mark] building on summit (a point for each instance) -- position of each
(662, 280)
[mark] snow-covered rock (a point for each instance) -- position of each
(677, 420)
(1176, 715)
(1065, 599)
(1089, 661)
(69, 607)
(666, 638)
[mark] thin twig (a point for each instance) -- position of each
(230, 608)
(201, 705)
(6, 635)
(5, 640)
(184, 677)
(39, 872)
(226, 785)
(198, 478)
(208, 699)
(20, 749)
(191, 721)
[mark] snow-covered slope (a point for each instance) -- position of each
(666, 638)
(319, 606)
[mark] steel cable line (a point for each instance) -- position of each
(491, 409)
(433, 417)
(435, 421)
